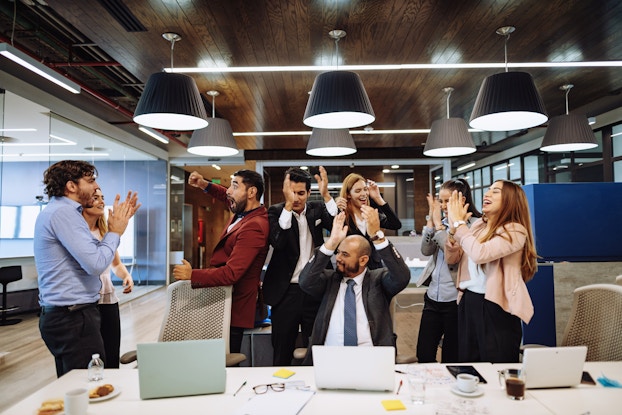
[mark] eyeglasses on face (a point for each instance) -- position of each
(261, 389)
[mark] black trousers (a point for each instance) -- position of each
(71, 336)
(295, 312)
(438, 320)
(236, 334)
(111, 333)
(486, 332)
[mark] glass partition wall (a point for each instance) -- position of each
(33, 138)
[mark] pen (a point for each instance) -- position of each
(240, 388)
(400, 371)
(399, 387)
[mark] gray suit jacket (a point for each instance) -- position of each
(379, 287)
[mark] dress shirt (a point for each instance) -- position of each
(304, 238)
(477, 283)
(68, 258)
(442, 287)
(334, 336)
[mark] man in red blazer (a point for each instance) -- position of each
(241, 251)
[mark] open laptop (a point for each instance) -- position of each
(347, 367)
(181, 368)
(553, 367)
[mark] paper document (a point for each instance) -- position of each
(288, 402)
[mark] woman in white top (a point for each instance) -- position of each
(108, 301)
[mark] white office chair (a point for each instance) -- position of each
(196, 314)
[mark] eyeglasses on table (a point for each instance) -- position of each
(261, 389)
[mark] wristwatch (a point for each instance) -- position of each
(458, 223)
(378, 235)
(428, 217)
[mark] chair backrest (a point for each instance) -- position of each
(619, 279)
(196, 314)
(10, 274)
(596, 322)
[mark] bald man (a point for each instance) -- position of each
(373, 289)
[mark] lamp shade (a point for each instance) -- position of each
(449, 137)
(338, 100)
(568, 132)
(214, 140)
(171, 101)
(330, 143)
(508, 101)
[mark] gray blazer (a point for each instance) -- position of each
(379, 287)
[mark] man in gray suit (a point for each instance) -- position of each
(373, 289)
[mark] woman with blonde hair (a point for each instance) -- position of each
(108, 301)
(496, 257)
(354, 198)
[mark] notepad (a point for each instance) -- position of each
(283, 373)
(288, 402)
(393, 405)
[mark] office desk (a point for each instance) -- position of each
(439, 398)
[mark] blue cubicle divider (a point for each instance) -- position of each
(541, 328)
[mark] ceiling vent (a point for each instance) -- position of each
(123, 15)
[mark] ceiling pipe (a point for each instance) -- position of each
(86, 64)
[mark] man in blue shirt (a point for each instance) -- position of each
(69, 261)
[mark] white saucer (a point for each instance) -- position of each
(477, 392)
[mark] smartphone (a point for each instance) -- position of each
(455, 370)
(587, 379)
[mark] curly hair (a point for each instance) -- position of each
(55, 178)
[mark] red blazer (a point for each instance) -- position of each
(237, 260)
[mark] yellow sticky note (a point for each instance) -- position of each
(393, 405)
(283, 373)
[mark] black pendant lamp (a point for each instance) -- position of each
(568, 132)
(216, 139)
(330, 143)
(338, 98)
(171, 101)
(449, 137)
(509, 100)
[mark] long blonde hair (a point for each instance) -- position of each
(347, 185)
(514, 209)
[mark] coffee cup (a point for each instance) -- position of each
(466, 382)
(76, 402)
(514, 382)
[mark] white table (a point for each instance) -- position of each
(595, 399)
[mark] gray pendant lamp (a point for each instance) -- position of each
(568, 132)
(449, 137)
(216, 139)
(338, 98)
(171, 101)
(330, 143)
(509, 100)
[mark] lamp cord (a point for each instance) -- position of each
(567, 92)
(448, 95)
(172, 47)
(507, 38)
(14, 22)
(213, 106)
(337, 52)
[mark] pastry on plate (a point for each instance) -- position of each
(51, 407)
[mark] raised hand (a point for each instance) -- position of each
(288, 193)
(456, 209)
(196, 180)
(121, 213)
(338, 233)
(322, 183)
(342, 203)
(370, 215)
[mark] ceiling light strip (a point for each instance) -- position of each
(353, 132)
(393, 67)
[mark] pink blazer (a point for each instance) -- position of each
(501, 262)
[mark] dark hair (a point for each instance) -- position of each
(463, 187)
(251, 178)
(55, 178)
(298, 175)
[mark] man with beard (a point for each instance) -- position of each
(69, 261)
(372, 289)
(241, 251)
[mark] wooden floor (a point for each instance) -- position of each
(28, 365)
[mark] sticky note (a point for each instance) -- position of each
(283, 373)
(393, 405)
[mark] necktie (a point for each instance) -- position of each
(349, 313)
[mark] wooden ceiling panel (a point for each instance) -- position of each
(220, 33)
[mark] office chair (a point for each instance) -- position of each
(619, 280)
(8, 275)
(596, 322)
(196, 314)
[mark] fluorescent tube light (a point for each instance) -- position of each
(466, 166)
(40, 69)
(154, 134)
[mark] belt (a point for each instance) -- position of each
(66, 308)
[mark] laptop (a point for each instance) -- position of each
(553, 367)
(181, 368)
(348, 367)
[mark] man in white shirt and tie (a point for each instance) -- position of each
(373, 289)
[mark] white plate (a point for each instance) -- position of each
(114, 393)
(477, 392)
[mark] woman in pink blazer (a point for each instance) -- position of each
(496, 258)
